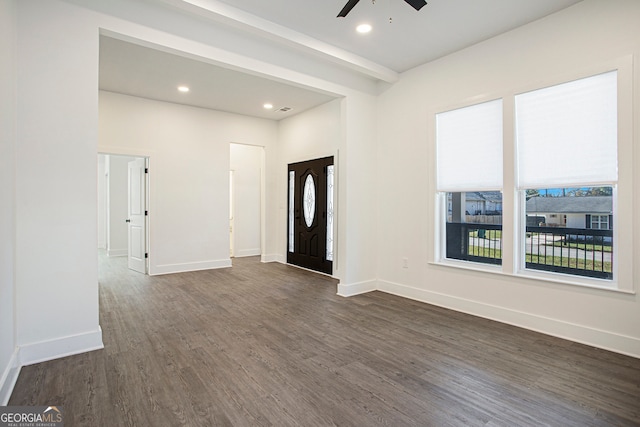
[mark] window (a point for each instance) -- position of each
(469, 182)
(330, 191)
(474, 227)
(580, 245)
(292, 184)
(566, 138)
(561, 166)
(599, 222)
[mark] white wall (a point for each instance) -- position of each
(343, 129)
(578, 38)
(246, 164)
(309, 135)
(117, 168)
(358, 178)
(102, 202)
(8, 355)
(189, 157)
(56, 264)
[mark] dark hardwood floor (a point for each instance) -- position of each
(268, 344)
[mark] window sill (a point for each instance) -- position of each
(469, 265)
(534, 275)
(581, 282)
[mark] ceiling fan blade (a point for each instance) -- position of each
(347, 8)
(416, 4)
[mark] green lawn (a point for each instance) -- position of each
(485, 252)
(581, 264)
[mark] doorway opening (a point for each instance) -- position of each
(310, 214)
(123, 221)
(246, 200)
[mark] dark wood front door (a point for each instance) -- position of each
(308, 215)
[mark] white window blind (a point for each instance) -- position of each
(469, 148)
(567, 134)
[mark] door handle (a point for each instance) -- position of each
(127, 220)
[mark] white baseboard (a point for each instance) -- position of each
(9, 378)
(247, 252)
(605, 340)
(60, 347)
(310, 270)
(351, 289)
(117, 252)
(189, 266)
(273, 258)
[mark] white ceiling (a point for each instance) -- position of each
(413, 37)
(410, 39)
(135, 70)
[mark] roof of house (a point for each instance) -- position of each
(564, 205)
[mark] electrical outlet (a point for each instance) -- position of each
(405, 262)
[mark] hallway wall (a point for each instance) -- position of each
(189, 154)
(246, 164)
(8, 351)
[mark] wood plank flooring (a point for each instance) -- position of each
(272, 345)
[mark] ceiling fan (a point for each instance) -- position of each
(416, 4)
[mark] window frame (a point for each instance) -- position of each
(441, 194)
(441, 240)
(573, 279)
(599, 221)
(514, 219)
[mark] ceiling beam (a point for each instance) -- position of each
(224, 13)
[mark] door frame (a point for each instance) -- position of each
(123, 151)
(330, 160)
(232, 215)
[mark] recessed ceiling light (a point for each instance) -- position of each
(268, 106)
(183, 89)
(363, 28)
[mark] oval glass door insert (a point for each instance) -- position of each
(309, 200)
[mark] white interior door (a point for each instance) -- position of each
(136, 223)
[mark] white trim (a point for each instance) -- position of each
(310, 270)
(117, 252)
(9, 378)
(60, 347)
(618, 343)
(273, 258)
(351, 289)
(189, 266)
(470, 265)
(124, 151)
(247, 252)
